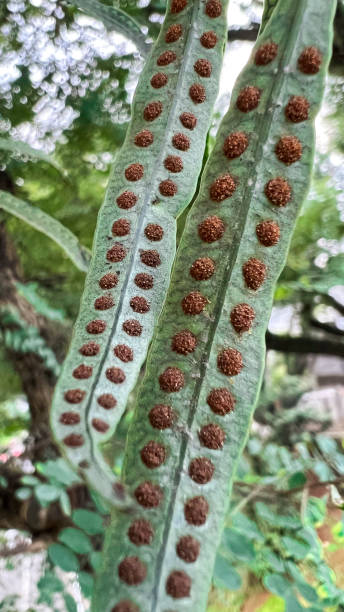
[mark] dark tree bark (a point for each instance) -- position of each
(301, 344)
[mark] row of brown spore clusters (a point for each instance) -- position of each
(229, 360)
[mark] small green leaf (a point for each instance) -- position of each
(70, 603)
(292, 604)
(245, 525)
(23, 493)
(308, 592)
(86, 583)
(225, 576)
(96, 559)
(65, 503)
(298, 549)
(277, 584)
(297, 479)
(50, 583)
(89, 521)
(46, 493)
(75, 539)
(59, 470)
(3, 482)
(238, 545)
(63, 557)
(29, 480)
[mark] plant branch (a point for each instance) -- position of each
(303, 345)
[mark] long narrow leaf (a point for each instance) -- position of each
(22, 148)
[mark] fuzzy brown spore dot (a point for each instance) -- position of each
(188, 120)
(104, 302)
(83, 464)
(107, 401)
(173, 33)
(152, 111)
(108, 281)
(229, 362)
(115, 375)
(278, 191)
(144, 281)
(184, 342)
(196, 510)
(148, 495)
(70, 418)
(188, 549)
(167, 57)
(74, 440)
(125, 606)
(134, 172)
(139, 304)
(140, 532)
(178, 584)
(150, 258)
(194, 303)
(297, 109)
(154, 232)
(208, 39)
(254, 273)
(153, 454)
(201, 470)
(268, 233)
(116, 253)
(96, 327)
(202, 268)
(203, 67)
(266, 53)
(90, 349)
(181, 142)
(310, 60)
(213, 8)
(161, 416)
(242, 317)
(197, 93)
(235, 145)
(100, 425)
(132, 571)
(168, 188)
(171, 380)
(248, 99)
(288, 150)
(212, 436)
(132, 327)
(124, 353)
(223, 187)
(126, 200)
(221, 401)
(211, 229)
(144, 138)
(173, 163)
(82, 371)
(74, 396)
(159, 80)
(121, 227)
(178, 5)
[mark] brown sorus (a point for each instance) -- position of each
(268, 233)
(100, 425)
(181, 142)
(212, 436)
(121, 227)
(115, 375)
(82, 371)
(161, 416)
(70, 418)
(278, 191)
(223, 187)
(152, 111)
(173, 33)
(202, 268)
(266, 53)
(188, 549)
(159, 80)
(139, 304)
(116, 253)
(229, 362)
(134, 172)
(201, 470)
(74, 396)
(108, 281)
(248, 99)
(197, 93)
(144, 281)
(196, 510)
(84, 465)
(167, 57)
(90, 349)
(184, 342)
(150, 258)
(124, 352)
(235, 145)
(288, 150)
(144, 138)
(213, 8)
(125, 606)
(178, 5)
(148, 495)
(194, 303)
(153, 454)
(221, 401)
(126, 200)
(188, 120)
(132, 327)
(297, 109)
(132, 571)
(107, 401)
(310, 60)
(140, 532)
(178, 584)
(203, 67)
(211, 229)
(96, 327)
(171, 380)
(154, 232)
(242, 317)
(173, 163)
(168, 188)
(208, 39)
(254, 273)
(74, 440)
(104, 302)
